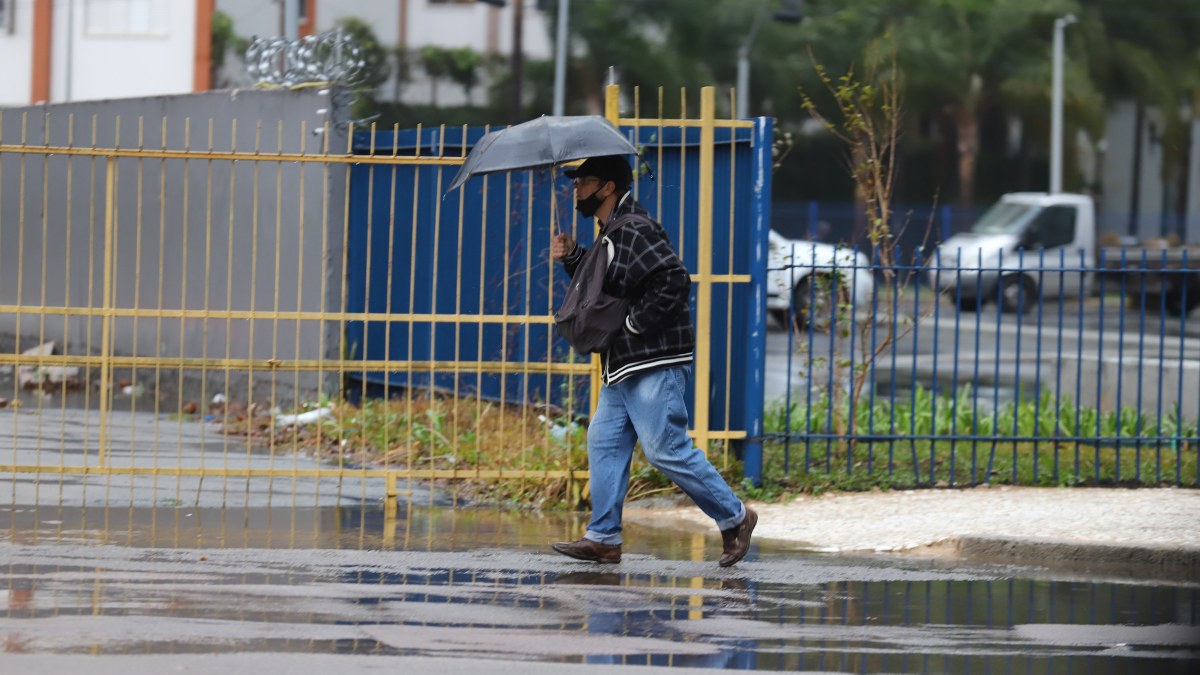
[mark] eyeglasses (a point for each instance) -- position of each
(583, 179)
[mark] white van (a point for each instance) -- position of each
(1029, 245)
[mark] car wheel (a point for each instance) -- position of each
(813, 303)
(1018, 293)
(966, 303)
(779, 316)
(1175, 302)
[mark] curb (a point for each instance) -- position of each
(1179, 563)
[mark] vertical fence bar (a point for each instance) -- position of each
(852, 374)
(1162, 349)
(1018, 389)
(704, 265)
(755, 358)
(45, 209)
(809, 353)
(110, 205)
(1062, 286)
(810, 323)
(1099, 374)
(957, 304)
(933, 379)
(912, 417)
(874, 356)
(412, 294)
(978, 298)
(996, 365)
(1120, 362)
(1179, 421)
(1037, 364)
(1078, 432)
(1141, 354)
(895, 293)
(20, 295)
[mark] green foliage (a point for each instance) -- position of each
(224, 41)
(376, 68)
(458, 65)
(928, 439)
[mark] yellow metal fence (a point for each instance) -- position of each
(173, 307)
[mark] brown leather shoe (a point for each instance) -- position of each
(586, 549)
(737, 539)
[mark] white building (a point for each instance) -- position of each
(54, 51)
(410, 24)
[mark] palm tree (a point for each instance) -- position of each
(958, 56)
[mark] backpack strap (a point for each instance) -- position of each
(621, 221)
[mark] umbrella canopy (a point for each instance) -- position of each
(545, 141)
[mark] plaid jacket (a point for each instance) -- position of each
(644, 267)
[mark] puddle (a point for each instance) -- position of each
(481, 584)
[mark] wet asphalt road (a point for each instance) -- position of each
(478, 590)
(986, 347)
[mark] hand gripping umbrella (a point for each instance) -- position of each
(545, 141)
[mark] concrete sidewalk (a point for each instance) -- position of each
(1153, 527)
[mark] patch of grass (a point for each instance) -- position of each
(928, 440)
(465, 434)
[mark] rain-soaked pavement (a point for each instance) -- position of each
(480, 584)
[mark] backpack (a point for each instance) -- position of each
(588, 318)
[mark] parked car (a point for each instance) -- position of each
(801, 276)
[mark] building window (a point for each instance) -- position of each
(127, 17)
(6, 16)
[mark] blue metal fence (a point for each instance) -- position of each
(1035, 367)
(483, 252)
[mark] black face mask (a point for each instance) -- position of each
(589, 205)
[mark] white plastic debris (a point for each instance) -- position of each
(304, 418)
(557, 429)
(218, 399)
(30, 376)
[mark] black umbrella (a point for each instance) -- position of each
(545, 141)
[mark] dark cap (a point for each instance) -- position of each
(608, 167)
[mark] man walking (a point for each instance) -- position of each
(645, 371)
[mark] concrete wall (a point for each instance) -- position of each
(192, 234)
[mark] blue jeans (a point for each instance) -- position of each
(650, 407)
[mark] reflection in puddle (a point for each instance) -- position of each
(480, 583)
(339, 527)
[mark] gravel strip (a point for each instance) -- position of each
(1154, 518)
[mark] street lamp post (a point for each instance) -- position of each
(743, 63)
(1056, 105)
(790, 13)
(560, 57)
